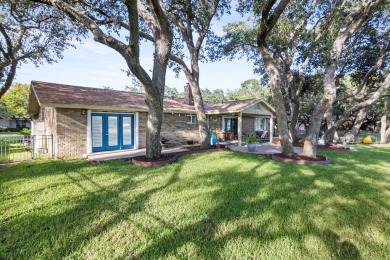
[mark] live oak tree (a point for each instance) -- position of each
(277, 45)
(304, 34)
(31, 33)
(363, 65)
(192, 20)
(118, 25)
(360, 13)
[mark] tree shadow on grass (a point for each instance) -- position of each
(61, 234)
(289, 193)
(253, 208)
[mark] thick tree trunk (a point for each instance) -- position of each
(294, 107)
(204, 132)
(361, 115)
(331, 135)
(155, 118)
(384, 133)
(281, 115)
(10, 77)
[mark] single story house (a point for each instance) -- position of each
(84, 120)
(14, 123)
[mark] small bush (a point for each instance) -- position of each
(250, 138)
(26, 131)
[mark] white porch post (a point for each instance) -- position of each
(239, 129)
(271, 129)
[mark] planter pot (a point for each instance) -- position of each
(251, 148)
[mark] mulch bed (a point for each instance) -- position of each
(300, 159)
(172, 157)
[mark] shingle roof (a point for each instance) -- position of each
(230, 106)
(60, 95)
(52, 94)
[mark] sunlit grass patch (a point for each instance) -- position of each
(210, 206)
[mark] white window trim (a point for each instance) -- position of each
(192, 122)
(264, 118)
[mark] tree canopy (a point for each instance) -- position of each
(16, 100)
(32, 33)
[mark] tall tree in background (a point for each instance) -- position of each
(31, 33)
(106, 20)
(192, 20)
(16, 101)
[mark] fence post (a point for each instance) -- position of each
(52, 146)
(32, 147)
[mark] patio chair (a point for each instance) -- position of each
(263, 136)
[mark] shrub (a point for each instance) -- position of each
(26, 131)
(250, 138)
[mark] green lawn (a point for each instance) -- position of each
(207, 206)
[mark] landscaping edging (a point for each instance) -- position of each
(137, 161)
(278, 158)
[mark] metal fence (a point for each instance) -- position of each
(23, 148)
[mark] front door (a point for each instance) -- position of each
(230, 125)
(112, 131)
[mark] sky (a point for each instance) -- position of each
(92, 64)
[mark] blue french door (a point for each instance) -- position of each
(112, 131)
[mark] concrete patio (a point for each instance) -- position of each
(125, 154)
(263, 148)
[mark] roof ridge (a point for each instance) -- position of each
(85, 87)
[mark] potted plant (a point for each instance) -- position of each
(251, 140)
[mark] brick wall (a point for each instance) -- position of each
(215, 122)
(248, 125)
(71, 132)
(142, 119)
(174, 128)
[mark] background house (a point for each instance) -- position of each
(14, 123)
(86, 120)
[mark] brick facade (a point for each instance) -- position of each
(71, 133)
(69, 129)
(248, 125)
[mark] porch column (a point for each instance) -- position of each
(239, 132)
(271, 129)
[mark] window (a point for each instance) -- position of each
(191, 119)
(260, 124)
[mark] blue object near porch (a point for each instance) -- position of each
(251, 148)
(213, 139)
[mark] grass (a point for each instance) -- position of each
(206, 206)
(13, 149)
(10, 133)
